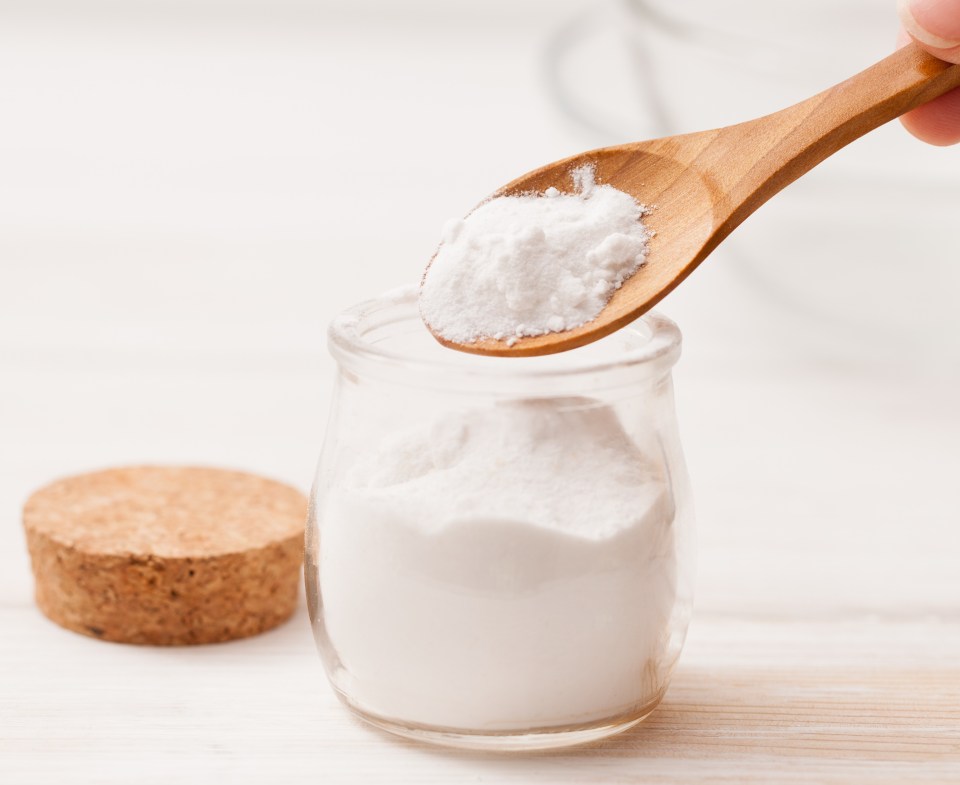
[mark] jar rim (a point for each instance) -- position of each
(348, 343)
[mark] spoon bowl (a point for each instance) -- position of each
(701, 186)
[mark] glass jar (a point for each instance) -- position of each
(499, 551)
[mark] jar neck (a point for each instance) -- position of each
(385, 340)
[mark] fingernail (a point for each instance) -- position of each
(935, 23)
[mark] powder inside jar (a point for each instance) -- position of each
(535, 263)
(502, 568)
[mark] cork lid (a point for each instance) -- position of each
(166, 555)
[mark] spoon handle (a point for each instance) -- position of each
(762, 156)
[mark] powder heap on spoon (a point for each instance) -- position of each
(535, 263)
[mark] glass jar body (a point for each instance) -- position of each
(499, 560)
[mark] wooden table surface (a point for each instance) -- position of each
(170, 307)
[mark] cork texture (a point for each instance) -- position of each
(166, 555)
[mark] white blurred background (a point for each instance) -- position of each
(190, 189)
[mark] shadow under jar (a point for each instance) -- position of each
(499, 551)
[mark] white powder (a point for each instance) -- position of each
(508, 568)
(528, 265)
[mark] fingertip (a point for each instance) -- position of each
(951, 55)
(933, 23)
(938, 122)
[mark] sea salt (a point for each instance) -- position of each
(533, 264)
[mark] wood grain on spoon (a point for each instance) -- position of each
(703, 185)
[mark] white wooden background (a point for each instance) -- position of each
(188, 193)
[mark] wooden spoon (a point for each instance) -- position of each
(703, 185)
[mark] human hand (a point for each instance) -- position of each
(934, 25)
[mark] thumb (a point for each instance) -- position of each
(934, 24)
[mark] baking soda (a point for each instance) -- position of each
(532, 264)
(503, 568)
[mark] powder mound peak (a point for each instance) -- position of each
(534, 263)
(563, 465)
